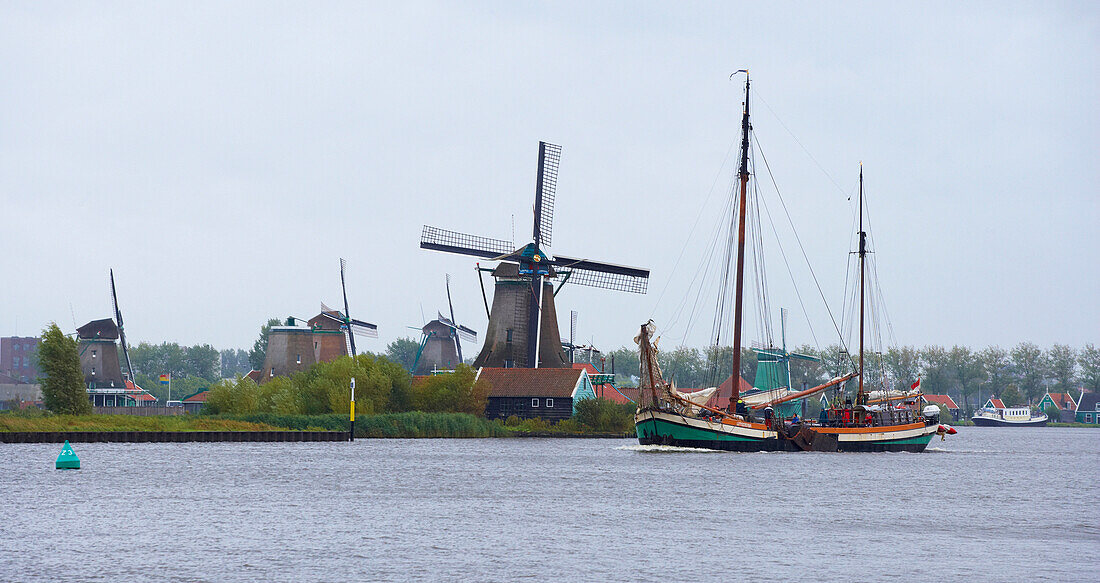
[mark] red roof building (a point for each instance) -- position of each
(944, 400)
(722, 398)
(994, 403)
(547, 393)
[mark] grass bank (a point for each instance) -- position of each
(410, 424)
(414, 424)
(9, 422)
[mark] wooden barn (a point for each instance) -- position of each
(547, 393)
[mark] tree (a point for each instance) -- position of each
(1011, 396)
(458, 392)
(967, 369)
(684, 365)
(998, 370)
(1089, 359)
(903, 365)
(202, 361)
(1028, 362)
(258, 353)
(626, 364)
(936, 374)
(234, 362)
(403, 351)
(1061, 362)
(63, 389)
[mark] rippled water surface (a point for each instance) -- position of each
(989, 504)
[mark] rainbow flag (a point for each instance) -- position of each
(164, 379)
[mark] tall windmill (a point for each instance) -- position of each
(349, 325)
(523, 327)
(99, 361)
(441, 341)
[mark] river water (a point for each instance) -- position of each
(988, 504)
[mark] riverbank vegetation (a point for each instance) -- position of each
(36, 420)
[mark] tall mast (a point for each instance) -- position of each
(735, 380)
(862, 256)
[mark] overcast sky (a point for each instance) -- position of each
(222, 157)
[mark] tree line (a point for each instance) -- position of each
(1019, 375)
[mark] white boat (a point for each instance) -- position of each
(1008, 417)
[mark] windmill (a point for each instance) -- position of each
(523, 327)
(441, 341)
(350, 326)
(99, 361)
(325, 337)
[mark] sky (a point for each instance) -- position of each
(222, 156)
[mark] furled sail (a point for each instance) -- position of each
(652, 386)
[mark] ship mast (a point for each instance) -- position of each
(735, 380)
(862, 257)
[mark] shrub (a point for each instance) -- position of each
(604, 415)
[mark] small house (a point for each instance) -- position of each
(548, 393)
(1088, 408)
(1067, 407)
(994, 403)
(945, 401)
(604, 385)
(194, 403)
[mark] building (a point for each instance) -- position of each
(18, 395)
(1067, 407)
(604, 385)
(438, 350)
(294, 348)
(17, 358)
(994, 403)
(721, 398)
(945, 401)
(99, 355)
(194, 403)
(1088, 408)
(547, 393)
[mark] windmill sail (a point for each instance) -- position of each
(121, 333)
(546, 185)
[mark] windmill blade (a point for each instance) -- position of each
(572, 326)
(363, 329)
(546, 185)
(602, 275)
(467, 334)
(437, 239)
(458, 339)
(347, 313)
(445, 320)
(121, 333)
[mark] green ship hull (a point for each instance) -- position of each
(661, 428)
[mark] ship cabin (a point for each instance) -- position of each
(547, 393)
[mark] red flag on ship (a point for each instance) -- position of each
(915, 385)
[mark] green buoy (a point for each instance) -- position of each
(67, 460)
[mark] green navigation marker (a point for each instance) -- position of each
(67, 460)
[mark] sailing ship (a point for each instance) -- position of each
(880, 420)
